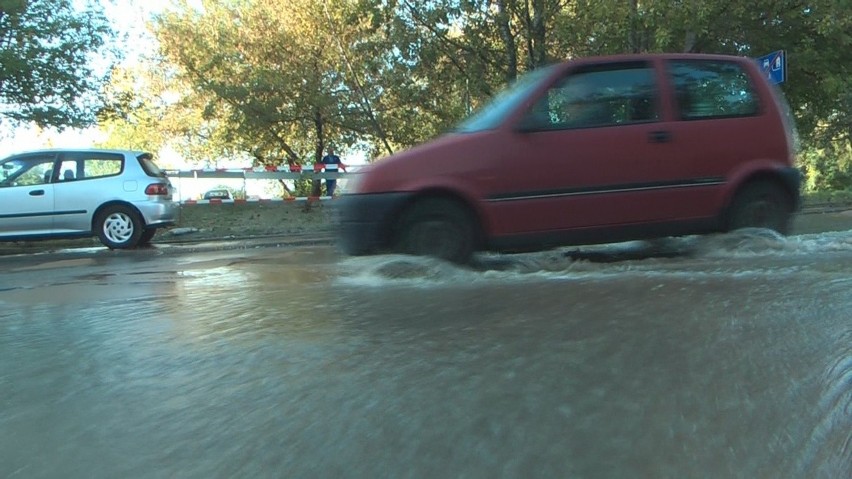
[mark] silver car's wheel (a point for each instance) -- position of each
(119, 227)
(147, 235)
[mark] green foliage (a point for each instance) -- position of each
(46, 48)
(827, 168)
(841, 197)
(132, 115)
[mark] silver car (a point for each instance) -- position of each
(121, 197)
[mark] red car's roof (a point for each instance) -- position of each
(652, 56)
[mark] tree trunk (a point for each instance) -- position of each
(539, 33)
(689, 42)
(503, 25)
(535, 12)
(316, 184)
(319, 125)
(633, 33)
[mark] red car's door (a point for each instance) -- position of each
(720, 127)
(586, 153)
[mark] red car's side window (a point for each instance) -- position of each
(707, 89)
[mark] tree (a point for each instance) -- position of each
(134, 114)
(279, 79)
(46, 52)
(436, 61)
(270, 72)
(147, 107)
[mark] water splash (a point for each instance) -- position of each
(402, 270)
(690, 256)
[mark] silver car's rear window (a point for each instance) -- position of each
(148, 165)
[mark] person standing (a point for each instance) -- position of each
(332, 164)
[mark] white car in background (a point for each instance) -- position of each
(120, 196)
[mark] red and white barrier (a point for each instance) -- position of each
(238, 201)
(290, 172)
(246, 175)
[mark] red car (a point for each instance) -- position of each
(589, 151)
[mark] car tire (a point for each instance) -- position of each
(147, 235)
(762, 204)
(119, 227)
(440, 228)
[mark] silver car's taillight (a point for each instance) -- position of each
(157, 189)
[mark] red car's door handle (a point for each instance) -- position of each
(660, 136)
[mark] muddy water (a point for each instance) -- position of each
(725, 356)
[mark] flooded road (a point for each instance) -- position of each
(722, 356)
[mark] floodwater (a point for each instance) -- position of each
(720, 356)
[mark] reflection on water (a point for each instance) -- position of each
(702, 357)
(830, 439)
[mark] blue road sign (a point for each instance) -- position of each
(774, 66)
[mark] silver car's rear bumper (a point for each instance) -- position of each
(159, 213)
